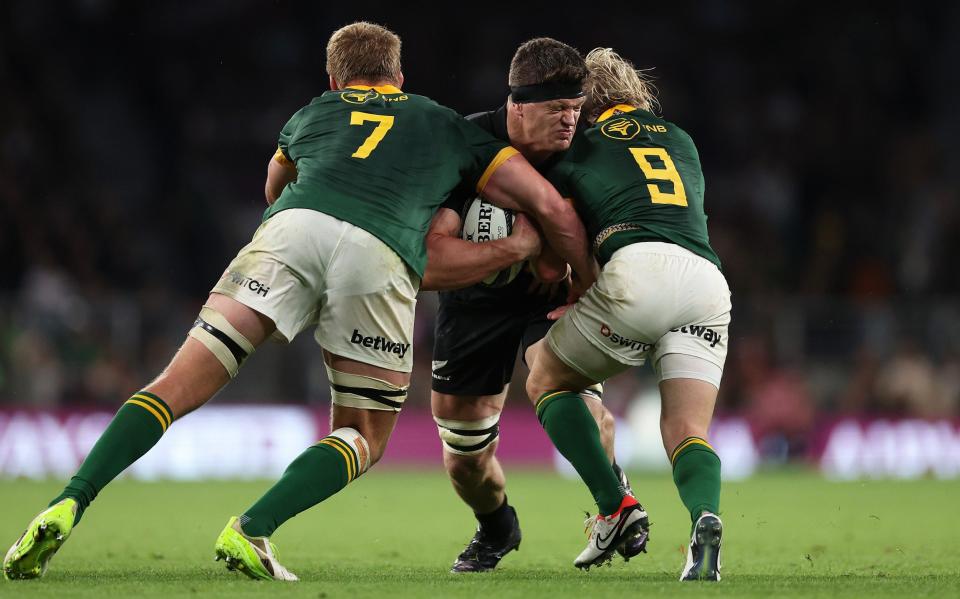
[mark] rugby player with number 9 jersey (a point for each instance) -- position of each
(359, 173)
(637, 183)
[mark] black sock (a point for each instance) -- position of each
(499, 522)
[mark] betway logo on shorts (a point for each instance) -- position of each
(618, 339)
(379, 343)
(241, 280)
(709, 335)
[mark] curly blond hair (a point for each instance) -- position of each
(614, 80)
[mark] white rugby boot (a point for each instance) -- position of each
(703, 554)
(610, 532)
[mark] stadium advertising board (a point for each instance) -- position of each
(232, 442)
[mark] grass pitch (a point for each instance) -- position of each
(395, 533)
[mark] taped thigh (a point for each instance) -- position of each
(226, 343)
(365, 392)
(681, 366)
(594, 390)
(468, 437)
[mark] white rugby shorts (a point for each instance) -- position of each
(651, 300)
(306, 268)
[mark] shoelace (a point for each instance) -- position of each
(589, 522)
(479, 541)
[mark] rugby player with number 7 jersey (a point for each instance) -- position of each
(360, 171)
(637, 183)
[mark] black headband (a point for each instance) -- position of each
(543, 92)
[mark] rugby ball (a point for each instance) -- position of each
(482, 221)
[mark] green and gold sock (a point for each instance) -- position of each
(316, 474)
(137, 426)
(575, 434)
(696, 472)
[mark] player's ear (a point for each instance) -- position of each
(333, 83)
(400, 79)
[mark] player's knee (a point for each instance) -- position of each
(535, 387)
(607, 424)
(677, 427)
(367, 395)
(472, 440)
(467, 469)
(226, 343)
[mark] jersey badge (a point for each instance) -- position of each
(623, 129)
(358, 96)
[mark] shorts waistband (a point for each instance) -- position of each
(656, 247)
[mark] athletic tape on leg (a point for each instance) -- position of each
(594, 390)
(468, 437)
(354, 448)
(214, 331)
(365, 392)
(681, 366)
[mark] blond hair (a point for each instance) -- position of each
(364, 51)
(614, 80)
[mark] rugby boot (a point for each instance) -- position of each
(636, 544)
(46, 533)
(484, 551)
(606, 533)
(703, 554)
(254, 556)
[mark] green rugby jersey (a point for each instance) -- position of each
(383, 160)
(636, 177)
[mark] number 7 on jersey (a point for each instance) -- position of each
(384, 122)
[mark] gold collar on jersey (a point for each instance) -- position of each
(618, 109)
(383, 89)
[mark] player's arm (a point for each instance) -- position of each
(280, 173)
(549, 267)
(517, 186)
(453, 262)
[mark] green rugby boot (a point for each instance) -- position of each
(30, 555)
(254, 556)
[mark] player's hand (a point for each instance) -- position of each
(559, 311)
(525, 237)
(549, 267)
(547, 290)
(553, 287)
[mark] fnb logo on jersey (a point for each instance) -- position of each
(618, 339)
(709, 335)
(379, 343)
(241, 280)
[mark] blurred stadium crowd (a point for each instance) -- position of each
(134, 139)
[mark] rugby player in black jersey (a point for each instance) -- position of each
(479, 327)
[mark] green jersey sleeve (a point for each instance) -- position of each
(482, 153)
(287, 133)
